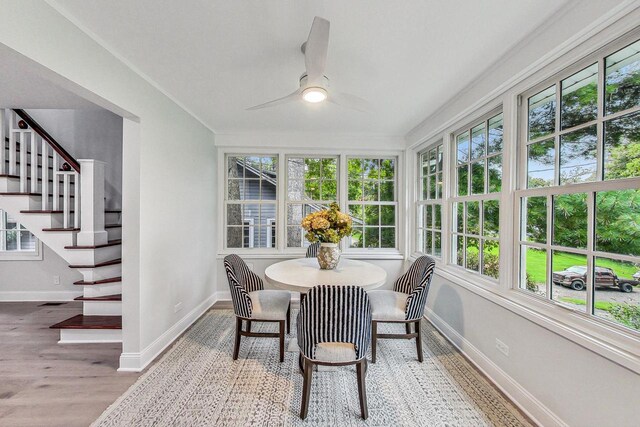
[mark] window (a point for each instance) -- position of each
(312, 184)
(580, 189)
(476, 207)
(372, 201)
(429, 205)
(16, 241)
(251, 189)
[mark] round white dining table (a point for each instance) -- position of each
(301, 274)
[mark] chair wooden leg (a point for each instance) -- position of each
(236, 347)
(374, 340)
(408, 327)
(419, 341)
(306, 388)
(289, 319)
(362, 389)
(248, 325)
(281, 340)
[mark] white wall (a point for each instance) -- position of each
(169, 179)
(89, 134)
(32, 280)
(557, 378)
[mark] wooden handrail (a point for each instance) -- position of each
(52, 142)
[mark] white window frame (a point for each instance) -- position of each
(17, 255)
(421, 203)
(281, 251)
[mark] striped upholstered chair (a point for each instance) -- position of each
(251, 303)
(404, 304)
(334, 329)
(312, 250)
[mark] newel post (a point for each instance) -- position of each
(92, 230)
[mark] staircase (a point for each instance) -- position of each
(61, 201)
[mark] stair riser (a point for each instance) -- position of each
(92, 274)
(112, 218)
(114, 233)
(85, 336)
(9, 184)
(102, 308)
(92, 291)
(21, 203)
(92, 256)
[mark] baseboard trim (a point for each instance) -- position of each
(136, 362)
(531, 406)
(45, 296)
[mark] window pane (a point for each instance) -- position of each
(477, 177)
(463, 147)
(570, 220)
(473, 218)
(371, 191)
(425, 188)
(495, 134)
(579, 102)
(569, 279)
(372, 215)
(622, 147)
(294, 237)
(357, 238)
(235, 238)
(535, 218)
(330, 168)
(494, 168)
(355, 190)
(295, 168)
(491, 218)
(439, 186)
(459, 250)
(463, 180)
(234, 214)
(312, 189)
(355, 168)
(578, 156)
(439, 157)
(267, 190)
(622, 79)
(459, 209)
(356, 213)
(424, 164)
(387, 168)
(328, 190)
(387, 215)
(428, 216)
(540, 164)
(432, 161)
(542, 113)
(473, 247)
(371, 237)
(437, 217)
(491, 258)
(618, 222)
(386, 191)
(388, 237)
(371, 169)
(437, 243)
(478, 141)
(432, 187)
(235, 189)
(615, 296)
(428, 241)
(534, 265)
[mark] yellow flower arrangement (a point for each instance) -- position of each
(327, 226)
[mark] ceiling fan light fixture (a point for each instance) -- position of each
(314, 94)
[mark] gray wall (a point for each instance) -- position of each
(89, 134)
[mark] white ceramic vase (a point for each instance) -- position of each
(328, 256)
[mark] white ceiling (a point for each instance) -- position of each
(218, 57)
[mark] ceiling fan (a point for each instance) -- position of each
(314, 85)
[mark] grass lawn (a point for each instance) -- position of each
(536, 264)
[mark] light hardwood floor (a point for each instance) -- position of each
(43, 383)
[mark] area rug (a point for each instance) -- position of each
(196, 383)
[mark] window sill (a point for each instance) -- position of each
(23, 256)
(610, 343)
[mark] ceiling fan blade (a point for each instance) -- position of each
(289, 98)
(315, 51)
(350, 101)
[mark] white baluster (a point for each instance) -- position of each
(3, 143)
(76, 200)
(56, 189)
(12, 143)
(45, 174)
(66, 207)
(23, 162)
(34, 162)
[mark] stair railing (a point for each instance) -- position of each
(34, 156)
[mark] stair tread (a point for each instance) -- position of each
(35, 211)
(104, 245)
(100, 264)
(98, 282)
(90, 322)
(5, 175)
(115, 297)
(113, 225)
(113, 211)
(18, 193)
(61, 229)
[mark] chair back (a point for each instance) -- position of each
(241, 282)
(312, 250)
(416, 282)
(334, 313)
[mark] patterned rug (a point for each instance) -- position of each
(196, 383)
